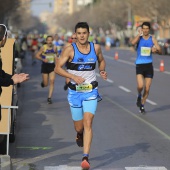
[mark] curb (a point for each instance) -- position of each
(5, 162)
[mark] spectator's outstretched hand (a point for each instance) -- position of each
(19, 78)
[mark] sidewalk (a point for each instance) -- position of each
(5, 162)
(30, 96)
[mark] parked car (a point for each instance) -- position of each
(165, 45)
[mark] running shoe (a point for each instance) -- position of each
(142, 109)
(49, 101)
(65, 87)
(79, 139)
(42, 84)
(85, 163)
(138, 102)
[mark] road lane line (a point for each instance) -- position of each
(108, 80)
(119, 60)
(151, 102)
(166, 136)
(132, 63)
(125, 89)
(166, 72)
(156, 69)
(146, 168)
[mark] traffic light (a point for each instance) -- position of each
(50, 4)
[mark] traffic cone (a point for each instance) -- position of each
(116, 57)
(161, 68)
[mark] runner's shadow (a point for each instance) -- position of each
(116, 154)
(158, 109)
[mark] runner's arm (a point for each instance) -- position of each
(6, 79)
(135, 40)
(156, 48)
(64, 57)
(39, 53)
(101, 62)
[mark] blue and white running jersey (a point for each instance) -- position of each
(144, 53)
(83, 64)
(59, 44)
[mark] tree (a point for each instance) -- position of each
(105, 13)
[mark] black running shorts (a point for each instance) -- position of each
(145, 69)
(47, 68)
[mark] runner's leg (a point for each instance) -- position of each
(78, 126)
(88, 133)
(140, 83)
(52, 76)
(148, 82)
(45, 79)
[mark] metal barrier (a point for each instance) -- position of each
(8, 125)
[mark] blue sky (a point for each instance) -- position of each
(39, 6)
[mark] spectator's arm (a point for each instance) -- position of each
(6, 80)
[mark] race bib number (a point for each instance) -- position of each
(145, 51)
(84, 88)
(50, 59)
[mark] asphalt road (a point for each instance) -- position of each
(122, 136)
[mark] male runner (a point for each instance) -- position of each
(81, 58)
(47, 54)
(58, 43)
(6, 79)
(146, 45)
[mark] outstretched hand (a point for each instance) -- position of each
(154, 49)
(103, 74)
(19, 78)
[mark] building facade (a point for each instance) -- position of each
(69, 6)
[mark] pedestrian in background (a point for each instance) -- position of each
(7, 79)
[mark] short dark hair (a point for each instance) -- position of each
(82, 25)
(3, 31)
(49, 36)
(146, 24)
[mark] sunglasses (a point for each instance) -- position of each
(73, 38)
(5, 30)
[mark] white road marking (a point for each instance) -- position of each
(65, 167)
(145, 168)
(151, 102)
(166, 136)
(156, 69)
(109, 80)
(62, 167)
(132, 63)
(166, 72)
(125, 89)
